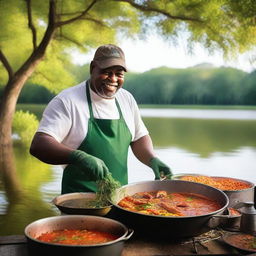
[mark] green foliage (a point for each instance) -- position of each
(36, 109)
(24, 125)
(97, 27)
(32, 93)
(202, 84)
(197, 85)
(217, 24)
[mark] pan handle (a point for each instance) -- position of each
(129, 234)
(217, 219)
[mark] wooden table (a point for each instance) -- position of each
(207, 244)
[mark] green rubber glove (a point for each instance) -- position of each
(160, 169)
(93, 167)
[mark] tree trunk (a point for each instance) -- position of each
(7, 109)
(9, 100)
(17, 81)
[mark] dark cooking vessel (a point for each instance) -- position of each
(72, 203)
(169, 226)
(113, 248)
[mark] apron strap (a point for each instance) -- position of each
(90, 103)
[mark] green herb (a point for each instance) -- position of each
(254, 243)
(76, 237)
(105, 189)
(59, 238)
(145, 206)
(189, 199)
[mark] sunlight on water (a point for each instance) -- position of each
(200, 113)
(3, 202)
(239, 164)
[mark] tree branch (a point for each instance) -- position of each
(29, 65)
(83, 13)
(99, 22)
(151, 9)
(71, 40)
(30, 23)
(44, 76)
(70, 14)
(6, 64)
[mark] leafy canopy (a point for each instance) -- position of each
(226, 25)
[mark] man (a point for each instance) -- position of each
(89, 127)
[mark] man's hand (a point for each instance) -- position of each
(160, 169)
(93, 167)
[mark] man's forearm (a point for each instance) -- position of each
(143, 149)
(47, 149)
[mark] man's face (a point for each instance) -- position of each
(106, 82)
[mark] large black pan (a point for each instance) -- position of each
(169, 226)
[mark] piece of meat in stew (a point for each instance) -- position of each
(169, 204)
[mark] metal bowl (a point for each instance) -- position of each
(113, 248)
(72, 203)
(235, 196)
(227, 238)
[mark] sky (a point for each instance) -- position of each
(153, 52)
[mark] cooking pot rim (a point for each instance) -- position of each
(79, 194)
(119, 239)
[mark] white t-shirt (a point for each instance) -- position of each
(66, 116)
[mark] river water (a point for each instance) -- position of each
(211, 142)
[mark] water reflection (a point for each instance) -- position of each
(239, 164)
(22, 192)
(202, 136)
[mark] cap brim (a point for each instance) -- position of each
(110, 63)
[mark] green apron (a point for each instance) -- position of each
(106, 139)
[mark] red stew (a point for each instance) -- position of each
(76, 237)
(243, 241)
(233, 212)
(222, 183)
(169, 204)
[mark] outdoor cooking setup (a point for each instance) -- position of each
(177, 234)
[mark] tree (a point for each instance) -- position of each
(36, 35)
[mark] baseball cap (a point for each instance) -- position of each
(109, 55)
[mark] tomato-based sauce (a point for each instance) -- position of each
(222, 183)
(169, 204)
(76, 237)
(243, 241)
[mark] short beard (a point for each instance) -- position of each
(102, 93)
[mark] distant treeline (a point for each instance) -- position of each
(203, 84)
(197, 85)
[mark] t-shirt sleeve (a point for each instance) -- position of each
(140, 128)
(56, 120)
